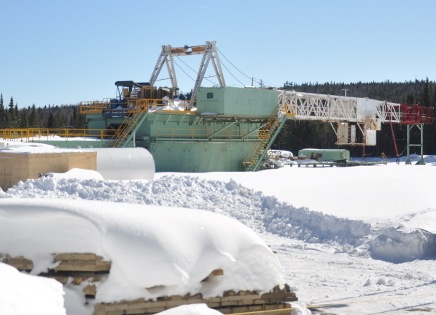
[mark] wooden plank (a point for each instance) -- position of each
(90, 290)
(21, 263)
(213, 273)
(80, 262)
(76, 256)
(232, 302)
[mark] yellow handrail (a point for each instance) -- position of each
(131, 105)
(38, 133)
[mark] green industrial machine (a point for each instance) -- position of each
(227, 130)
(218, 129)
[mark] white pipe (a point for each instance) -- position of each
(125, 163)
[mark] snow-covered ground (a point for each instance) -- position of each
(354, 240)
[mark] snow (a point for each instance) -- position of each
(25, 294)
(29, 147)
(200, 309)
(354, 240)
(77, 173)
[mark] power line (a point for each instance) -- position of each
(248, 77)
(178, 58)
(184, 70)
(232, 74)
(204, 78)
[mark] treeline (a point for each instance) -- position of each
(298, 135)
(412, 92)
(64, 116)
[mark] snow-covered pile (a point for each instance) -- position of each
(155, 251)
(251, 207)
(26, 294)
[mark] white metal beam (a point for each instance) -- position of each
(348, 113)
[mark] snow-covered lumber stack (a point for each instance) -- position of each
(87, 270)
(275, 302)
(124, 258)
(79, 269)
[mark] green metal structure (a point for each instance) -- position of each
(229, 130)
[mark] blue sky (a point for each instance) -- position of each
(63, 52)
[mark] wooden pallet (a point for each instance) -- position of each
(231, 302)
(86, 270)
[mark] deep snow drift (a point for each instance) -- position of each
(395, 239)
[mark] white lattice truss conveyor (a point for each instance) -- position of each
(347, 113)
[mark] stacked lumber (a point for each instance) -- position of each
(276, 301)
(21, 263)
(79, 269)
(86, 270)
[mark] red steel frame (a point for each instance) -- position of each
(416, 114)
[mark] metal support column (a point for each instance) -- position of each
(420, 145)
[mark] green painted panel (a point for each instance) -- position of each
(248, 102)
(96, 124)
(200, 156)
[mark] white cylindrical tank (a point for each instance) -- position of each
(125, 163)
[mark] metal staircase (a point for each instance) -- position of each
(126, 131)
(267, 135)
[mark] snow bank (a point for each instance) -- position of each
(268, 212)
(400, 245)
(251, 207)
(155, 251)
(358, 192)
(310, 226)
(22, 294)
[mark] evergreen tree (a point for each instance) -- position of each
(17, 116)
(24, 120)
(34, 121)
(433, 102)
(11, 114)
(410, 99)
(2, 113)
(425, 95)
(51, 121)
(6, 119)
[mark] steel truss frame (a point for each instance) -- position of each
(363, 113)
(210, 54)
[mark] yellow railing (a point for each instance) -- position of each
(40, 133)
(131, 106)
(93, 107)
(195, 133)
